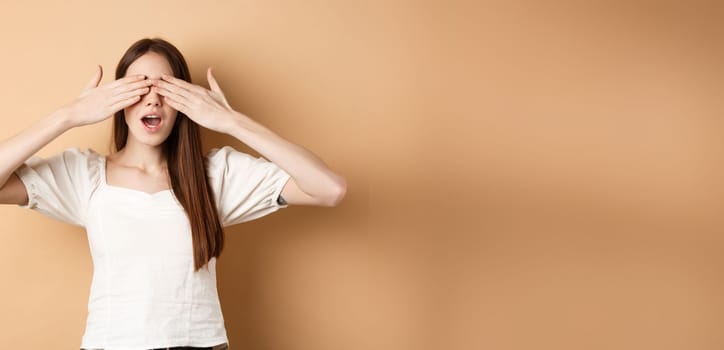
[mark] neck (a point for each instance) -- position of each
(145, 157)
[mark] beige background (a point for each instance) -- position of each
(522, 174)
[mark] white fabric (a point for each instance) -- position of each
(145, 293)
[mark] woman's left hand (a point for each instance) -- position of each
(207, 108)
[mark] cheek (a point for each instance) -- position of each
(172, 113)
(130, 110)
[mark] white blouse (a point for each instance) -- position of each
(145, 293)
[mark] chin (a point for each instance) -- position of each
(151, 140)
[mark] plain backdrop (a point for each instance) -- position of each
(522, 174)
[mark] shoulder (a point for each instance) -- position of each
(85, 162)
(217, 152)
(228, 163)
(79, 153)
(73, 165)
(87, 157)
(71, 156)
(223, 156)
(220, 152)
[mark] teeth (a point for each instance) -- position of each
(146, 120)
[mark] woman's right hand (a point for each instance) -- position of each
(96, 104)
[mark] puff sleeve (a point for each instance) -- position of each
(245, 188)
(57, 186)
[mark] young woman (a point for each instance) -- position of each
(154, 208)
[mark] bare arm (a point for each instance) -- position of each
(13, 192)
(17, 149)
(311, 181)
(95, 104)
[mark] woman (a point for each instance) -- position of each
(155, 207)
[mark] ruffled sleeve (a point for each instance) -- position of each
(245, 188)
(59, 186)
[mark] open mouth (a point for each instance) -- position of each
(152, 122)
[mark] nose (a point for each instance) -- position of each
(152, 98)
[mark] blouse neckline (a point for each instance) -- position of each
(105, 183)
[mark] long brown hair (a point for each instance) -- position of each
(184, 156)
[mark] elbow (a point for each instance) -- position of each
(339, 190)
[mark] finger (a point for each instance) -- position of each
(126, 95)
(124, 103)
(212, 82)
(126, 80)
(172, 91)
(133, 86)
(183, 84)
(96, 79)
(177, 105)
(215, 86)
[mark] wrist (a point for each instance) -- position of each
(239, 125)
(63, 119)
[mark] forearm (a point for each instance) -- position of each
(309, 171)
(15, 150)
